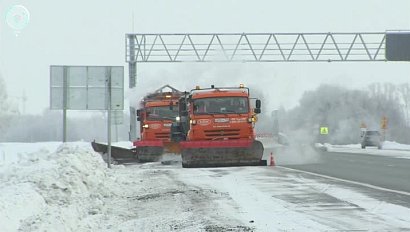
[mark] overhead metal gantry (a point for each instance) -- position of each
(255, 47)
(250, 47)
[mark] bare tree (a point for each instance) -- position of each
(343, 110)
(404, 92)
(4, 107)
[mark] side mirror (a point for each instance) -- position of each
(171, 106)
(138, 118)
(257, 110)
(258, 104)
(138, 113)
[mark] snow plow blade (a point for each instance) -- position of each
(149, 151)
(149, 154)
(152, 151)
(119, 154)
(226, 153)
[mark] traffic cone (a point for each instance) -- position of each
(272, 160)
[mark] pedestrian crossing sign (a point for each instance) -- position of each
(324, 130)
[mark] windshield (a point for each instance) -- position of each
(221, 105)
(372, 133)
(161, 113)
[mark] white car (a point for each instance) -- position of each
(371, 138)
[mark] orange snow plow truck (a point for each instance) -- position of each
(215, 128)
(155, 114)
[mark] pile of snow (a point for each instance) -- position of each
(389, 149)
(14, 152)
(47, 189)
(389, 145)
(124, 144)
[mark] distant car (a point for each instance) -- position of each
(371, 138)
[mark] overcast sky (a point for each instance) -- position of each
(92, 33)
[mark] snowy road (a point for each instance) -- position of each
(259, 199)
(72, 190)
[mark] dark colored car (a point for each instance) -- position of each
(371, 138)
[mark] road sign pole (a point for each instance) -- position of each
(132, 68)
(65, 90)
(116, 132)
(108, 75)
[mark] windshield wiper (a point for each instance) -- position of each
(231, 111)
(164, 117)
(169, 117)
(225, 112)
(214, 112)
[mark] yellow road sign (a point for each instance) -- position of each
(384, 123)
(324, 130)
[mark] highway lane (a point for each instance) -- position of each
(381, 171)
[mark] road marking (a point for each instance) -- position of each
(349, 181)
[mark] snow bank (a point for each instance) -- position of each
(387, 145)
(18, 202)
(13, 152)
(52, 190)
(124, 144)
(395, 146)
(390, 149)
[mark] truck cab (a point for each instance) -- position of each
(215, 127)
(221, 114)
(156, 119)
(157, 112)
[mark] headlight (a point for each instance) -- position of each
(145, 126)
(193, 122)
(252, 119)
(178, 119)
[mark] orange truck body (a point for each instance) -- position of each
(219, 128)
(155, 129)
(156, 115)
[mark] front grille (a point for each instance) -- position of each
(162, 135)
(222, 133)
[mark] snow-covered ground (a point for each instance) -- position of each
(14, 152)
(67, 187)
(390, 149)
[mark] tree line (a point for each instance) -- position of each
(344, 111)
